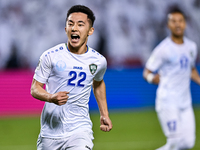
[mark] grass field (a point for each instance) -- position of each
(132, 130)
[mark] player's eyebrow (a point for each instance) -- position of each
(81, 22)
(78, 21)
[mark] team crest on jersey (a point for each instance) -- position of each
(93, 68)
(61, 65)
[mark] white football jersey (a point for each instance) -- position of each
(174, 63)
(62, 70)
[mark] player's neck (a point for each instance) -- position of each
(177, 39)
(77, 50)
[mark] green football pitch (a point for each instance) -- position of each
(132, 130)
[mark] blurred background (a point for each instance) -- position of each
(126, 32)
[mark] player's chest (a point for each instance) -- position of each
(181, 58)
(69, 67)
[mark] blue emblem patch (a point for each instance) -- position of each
(61, 65)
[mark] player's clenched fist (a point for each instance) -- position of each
(59, 98)
(106, 124)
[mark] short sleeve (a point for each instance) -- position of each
(156, 59)
(100, 74)
(43, 69)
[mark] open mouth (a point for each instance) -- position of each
(178, 30)
(75, 37)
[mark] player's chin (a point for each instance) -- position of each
(75, 44)
(178, 33)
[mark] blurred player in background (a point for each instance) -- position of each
(69, 71)
(174, 59)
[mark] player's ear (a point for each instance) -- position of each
(185, 25)
(169, 16)
(66, 30)
(168, 25)
(91, 31)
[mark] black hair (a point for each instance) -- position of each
(176, 9)
(82, 9)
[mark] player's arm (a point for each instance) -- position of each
(195, 76)
(150, 77)
(99, 90)
(38, 92)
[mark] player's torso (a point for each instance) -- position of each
(178, 59)
(73, 73)
(178, 62)
(175, 73)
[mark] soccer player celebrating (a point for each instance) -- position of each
(172, 65)
(69, 71)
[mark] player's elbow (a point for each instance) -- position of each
(33, 91)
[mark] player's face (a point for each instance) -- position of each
(177, 24)
(78, 29)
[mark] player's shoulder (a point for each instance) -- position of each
(190, 42)
(95, 54)
(97, 57)
(54, 50)
(164, 43)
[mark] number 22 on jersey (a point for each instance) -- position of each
(74, 75)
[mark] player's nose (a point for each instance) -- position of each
(75, 27)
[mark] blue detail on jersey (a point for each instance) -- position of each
(52, 51)
(82, 76)
(48, 53)
(75, 67)
(171, 125)
(73, 74)
(67, 48)
(56, 50)
(61, 48)
(87, 49)
(184, 62)
(61, 65)
(93, 50)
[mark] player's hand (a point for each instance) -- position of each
(59, 98)
(106, 124)
(156, 79)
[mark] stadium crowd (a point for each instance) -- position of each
(125, 31)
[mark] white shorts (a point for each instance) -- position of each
(178, 123)
(79, 141)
